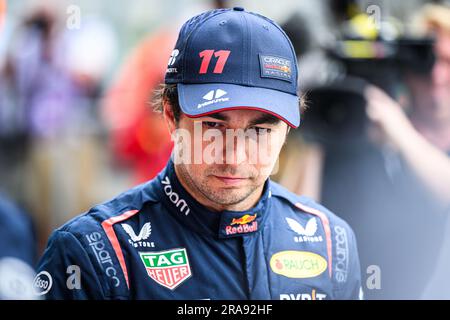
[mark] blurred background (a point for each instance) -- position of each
(77, 126)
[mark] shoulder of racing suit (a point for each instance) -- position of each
(306, 205)
(340, 238)
(85, 244)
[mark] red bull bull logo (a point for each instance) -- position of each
(244, 219)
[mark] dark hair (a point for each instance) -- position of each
(168, 93)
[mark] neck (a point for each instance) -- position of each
(246, 204)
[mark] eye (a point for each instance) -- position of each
(260, 130)
(212, 124)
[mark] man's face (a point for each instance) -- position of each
(431, 94)
(226, 157)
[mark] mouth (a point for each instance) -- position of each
(230, 180)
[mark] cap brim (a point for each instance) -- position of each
(197, 100)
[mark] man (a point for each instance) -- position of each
(398, 174)
(423, 141)
(212, 225)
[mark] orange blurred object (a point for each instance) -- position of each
(139, 136)
(2, 13)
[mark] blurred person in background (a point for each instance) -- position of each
(139, 138)
(17, 241)
(430, 156)
(386, 174)
(38, 93)
(17, 252)
(52, 80)
(423, 137)
(423, 141)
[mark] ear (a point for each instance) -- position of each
(169, 117)
(287, 133)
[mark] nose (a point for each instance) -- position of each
(236, 148)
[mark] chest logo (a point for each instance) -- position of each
(174, 197)
(307, 233)
(168, 268)
(245, 224)
(146, 231)
(298, 264)
(244, 219)
(138, 240)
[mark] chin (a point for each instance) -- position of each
(228, 196)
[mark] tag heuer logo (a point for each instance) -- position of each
(168, 268)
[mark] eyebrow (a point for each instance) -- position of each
(219, 116)
(265, 118)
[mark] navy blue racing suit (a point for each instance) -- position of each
(156, 241)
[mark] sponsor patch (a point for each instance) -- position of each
(275, 67)
(174, 197)
(42, 283)
(213, 97)
(314, 295)
(101, 253)
(342, 254)
(307, 233)
(138, 240)
(168, 268)
(171, 62)
(298, 264)
(245, 224)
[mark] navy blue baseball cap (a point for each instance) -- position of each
(229, 59)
